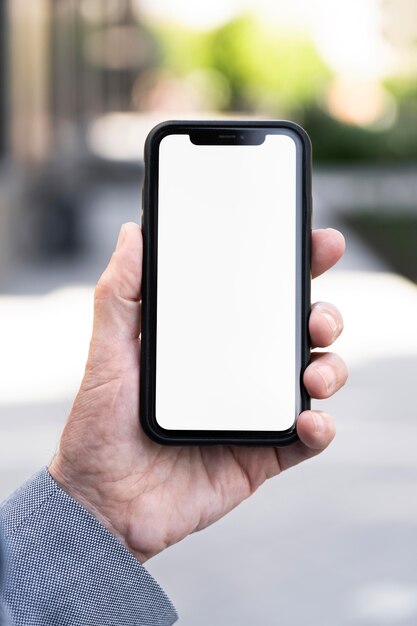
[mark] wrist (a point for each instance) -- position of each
(74, 485)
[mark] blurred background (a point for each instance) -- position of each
(81, 83)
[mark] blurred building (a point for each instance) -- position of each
(66, 65)
(70, 61)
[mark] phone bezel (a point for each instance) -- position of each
(149, 278)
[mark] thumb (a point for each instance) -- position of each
(118, 291)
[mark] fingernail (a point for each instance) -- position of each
(121, 238)
(320, 424)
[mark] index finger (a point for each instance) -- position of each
(328, 245)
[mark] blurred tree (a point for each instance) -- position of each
(265, 72)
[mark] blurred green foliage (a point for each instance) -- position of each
(263, 71)
(335, 142)
(251, 68)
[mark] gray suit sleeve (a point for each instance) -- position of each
(65, 569)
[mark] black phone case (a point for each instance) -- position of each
(149, 291)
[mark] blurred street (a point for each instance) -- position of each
(331, 542)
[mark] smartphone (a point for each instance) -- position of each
(226, 226)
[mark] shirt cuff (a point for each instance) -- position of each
(64, 567)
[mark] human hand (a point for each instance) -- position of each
(152, 496)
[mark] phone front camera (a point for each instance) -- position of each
(241, 136)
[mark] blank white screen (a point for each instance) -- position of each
(226, 295)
